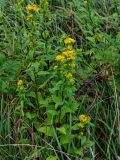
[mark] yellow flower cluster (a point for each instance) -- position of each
(32, 7)
(72, 81)
(69, 41)
(84, 119)
(20, 84)
(67, 55)
(67, 58)
(60, 58)
(68, 76)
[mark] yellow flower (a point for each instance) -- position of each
(72, 81)
(60, 58)
(70, 55)
(69, 41)
(20, 83)
(69, 75)
(70, 64)
(32, 7)
(67, 55)
(84, 119)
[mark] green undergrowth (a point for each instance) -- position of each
(59, 80)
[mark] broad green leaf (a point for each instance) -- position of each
(30, 103)
(30, 55)
(74, 106)
(52, 112)
(79, 151)
(56, 87)
(30, 115)
(47, 130)
(91, 39)
(65, 109)
(62, 130)
(75, 127)
(88, 144)
(31, 73)
(58, 100)
(65, 139)
(85, 142)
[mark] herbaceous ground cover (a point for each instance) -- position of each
(59, 79)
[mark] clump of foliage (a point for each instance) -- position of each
(59, 79)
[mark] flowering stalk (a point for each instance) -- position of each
(66, 59)
(21, 94)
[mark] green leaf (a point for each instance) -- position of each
(30, 115)
(58, 101)
(85, 142)
(65, 139)
(74, 106)
(30, 55)
(2, 58)
(52, 158)
(31, 73)
(30, 103)
(43, 72)
(88, 144)
(91, 39)
(31, 94)
(35, 65)
(11, 67)
(62, 130)
(46, 82)
(56, 87)
(65, 109)
(47, 130)
(79, 151)
(52, 112)
(75, 127)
